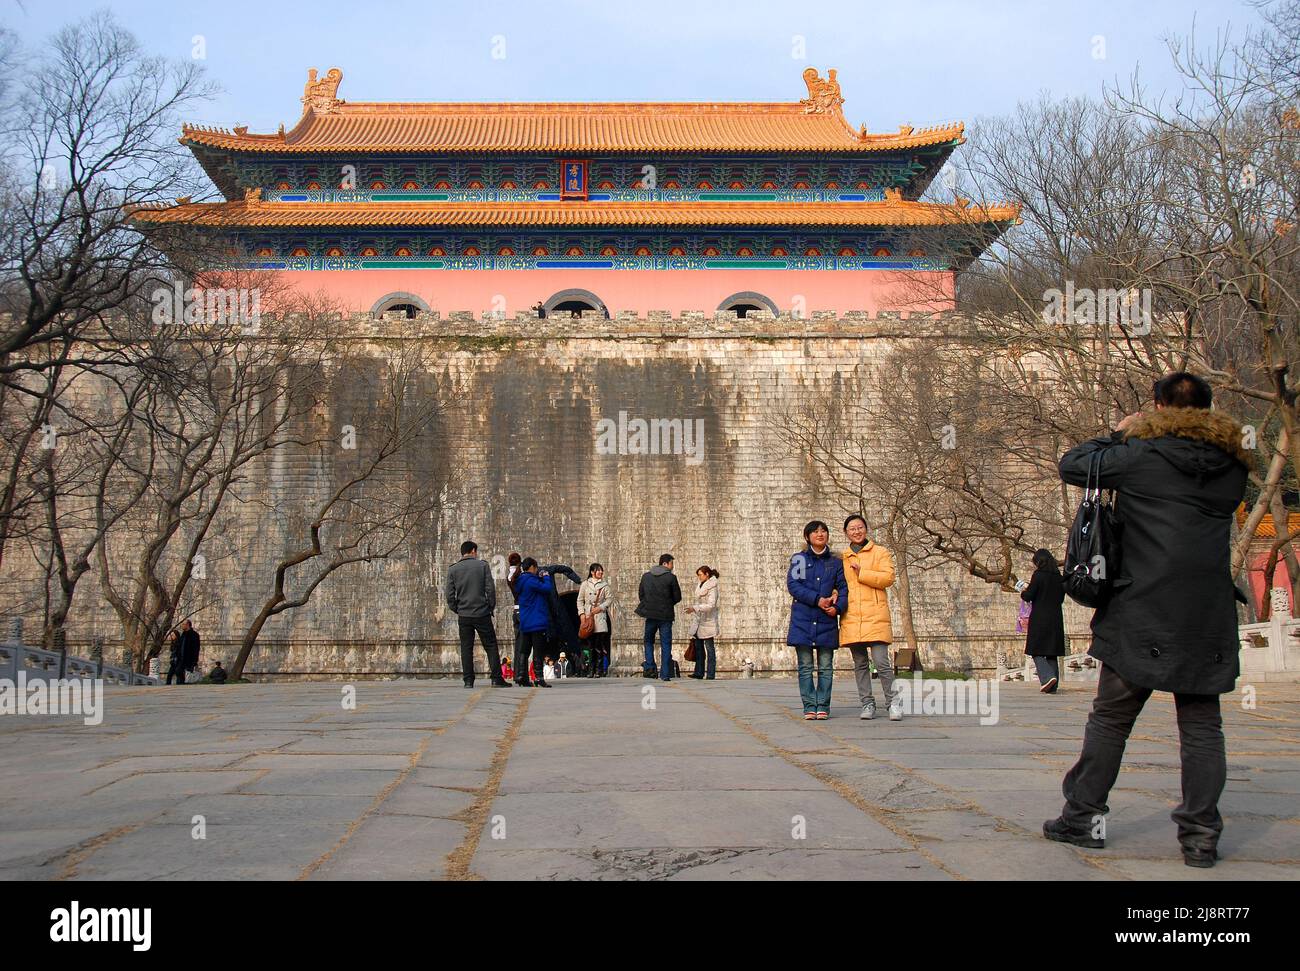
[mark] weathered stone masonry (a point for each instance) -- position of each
(527, 395)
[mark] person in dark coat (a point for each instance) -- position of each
(471, 592)
(1045, 641)
(188, 644)
(533, 591)
(562, 632)
(658, 595)
(176, 668)
(512, 575)
(1170, 622)
(820, 594)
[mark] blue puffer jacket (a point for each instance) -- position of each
(811, 577)
(532, 592)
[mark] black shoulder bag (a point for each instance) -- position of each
(1092, 554)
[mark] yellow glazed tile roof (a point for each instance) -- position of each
(893, 212)
(329, 124)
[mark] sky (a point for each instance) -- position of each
(916, 62)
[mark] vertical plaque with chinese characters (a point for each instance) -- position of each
(573, 179)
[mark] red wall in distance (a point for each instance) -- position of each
(640, 291)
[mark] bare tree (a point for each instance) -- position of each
(222, 398)
(1184, 209)
(378, 493)
(89, 131)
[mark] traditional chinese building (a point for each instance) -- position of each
(637, 206)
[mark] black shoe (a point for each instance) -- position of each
(1203, 859)
(649, 673)
(539, 683)
(502, 683)
(523, 682)
(469, 684)
(1062, 832)
(1050, 687)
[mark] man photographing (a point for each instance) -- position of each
(1170, 620)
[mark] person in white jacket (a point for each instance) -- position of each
(704, 623)
(594, 598)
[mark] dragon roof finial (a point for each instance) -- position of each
(823, 95)
(322, 95)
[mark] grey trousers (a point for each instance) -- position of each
(863, 656)
(1047, 668)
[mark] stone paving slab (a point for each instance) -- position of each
(608, 780)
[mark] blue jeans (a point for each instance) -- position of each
(816, 697)
(706, 658)
(665, 629)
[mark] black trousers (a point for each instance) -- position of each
(488, 635)
(599, 642)
(178, 669)
(1201, 747)
(534, 643)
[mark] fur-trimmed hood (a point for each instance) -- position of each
(1190, 428)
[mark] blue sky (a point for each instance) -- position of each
(915, 62)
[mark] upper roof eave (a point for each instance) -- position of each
(815, 124)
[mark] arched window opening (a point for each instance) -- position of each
(748, 302)
(573, 303)
(400, 301)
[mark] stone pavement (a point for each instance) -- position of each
(723, 779)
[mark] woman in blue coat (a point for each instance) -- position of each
(816, 582)
(533, 591)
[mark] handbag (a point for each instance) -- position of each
(690, 650)
(587, 623)
(1092, 554)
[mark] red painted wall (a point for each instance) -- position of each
(639, 290)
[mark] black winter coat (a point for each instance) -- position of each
(1046, 636)
(1170, 623)
(658, 594)
(188, 643)
(563, 628)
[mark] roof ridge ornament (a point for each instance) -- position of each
(322, 96)
(253, 197)
(823, 95)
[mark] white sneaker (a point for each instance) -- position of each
(868, 711)
(896, 710)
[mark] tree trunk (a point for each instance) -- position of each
(246, 645)
(905, 599)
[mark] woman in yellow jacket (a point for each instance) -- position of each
(865, 628)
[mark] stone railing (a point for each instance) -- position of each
(37, 662)
(1073, 667)
(1271, 651)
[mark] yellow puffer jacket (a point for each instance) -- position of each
(867, 618)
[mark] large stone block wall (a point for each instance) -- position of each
(525, 396)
